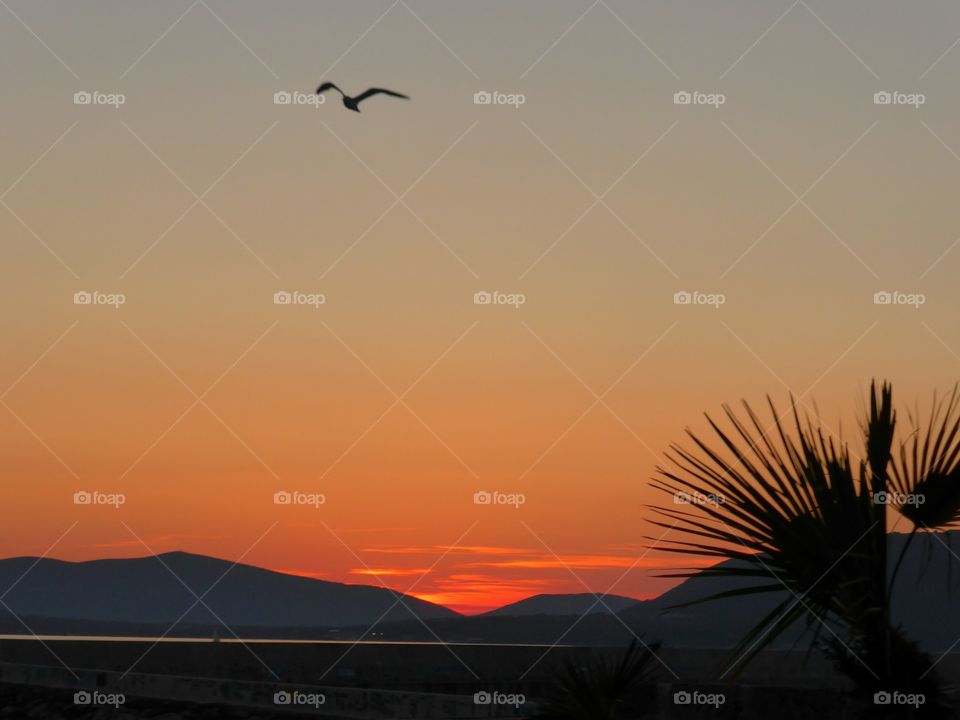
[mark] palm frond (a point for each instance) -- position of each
(925, 477)
(600, 688)
(789, 504)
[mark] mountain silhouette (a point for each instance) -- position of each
(924, 601)
(574, 604)
(142, 591)
(140, 595)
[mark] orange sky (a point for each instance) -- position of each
(398, 398)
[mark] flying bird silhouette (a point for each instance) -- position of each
(352, 103)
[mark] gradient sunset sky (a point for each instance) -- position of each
(399, 398)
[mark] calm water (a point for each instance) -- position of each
(253, 641)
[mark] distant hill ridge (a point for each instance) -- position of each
(151, 590)
(573, 604)
(107, 596)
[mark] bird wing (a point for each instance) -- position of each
(328, 86)
(375, 91)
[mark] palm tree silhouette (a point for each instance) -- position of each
(802, 513)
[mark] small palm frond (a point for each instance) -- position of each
(926, 473)
(602, 688)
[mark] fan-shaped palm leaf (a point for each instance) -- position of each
(788, 503)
